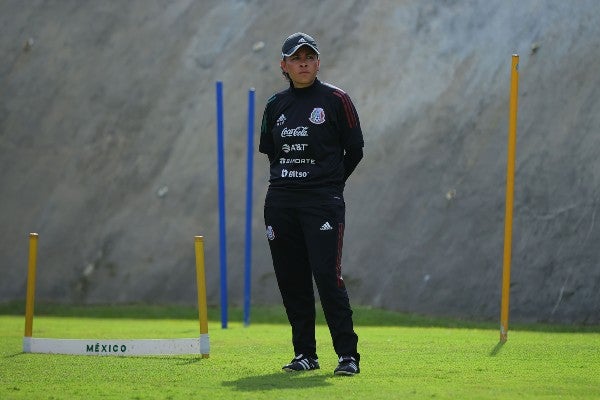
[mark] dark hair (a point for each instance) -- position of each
(285, 75)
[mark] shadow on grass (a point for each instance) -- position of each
(497, 348)
(14, 355)
(279, 380)
(178, 360)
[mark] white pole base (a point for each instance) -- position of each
(118, 347)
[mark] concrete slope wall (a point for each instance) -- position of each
(108, 148)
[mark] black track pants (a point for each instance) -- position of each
(306, 242)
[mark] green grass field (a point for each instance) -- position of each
(403, 357)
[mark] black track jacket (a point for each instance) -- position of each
(313, 139)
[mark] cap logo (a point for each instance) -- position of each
(293, 43)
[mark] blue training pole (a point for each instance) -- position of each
(222, 225)
(250, 175)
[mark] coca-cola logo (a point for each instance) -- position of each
(294, 132)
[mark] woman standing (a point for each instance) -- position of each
(311, 134)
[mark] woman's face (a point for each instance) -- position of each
(302, 67)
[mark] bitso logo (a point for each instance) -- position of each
(317, 116)
(293, 174)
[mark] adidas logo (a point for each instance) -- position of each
(302, 40)
(281, 120)
(326, 227)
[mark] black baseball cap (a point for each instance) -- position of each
(295, 41)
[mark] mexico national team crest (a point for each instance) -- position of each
(317, 116)
(270, 233)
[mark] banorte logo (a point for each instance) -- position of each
(295, 132)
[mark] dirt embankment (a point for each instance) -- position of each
(107, 149)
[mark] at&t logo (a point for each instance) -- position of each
(294, 147)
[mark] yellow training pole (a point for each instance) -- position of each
(510, 185)
(201, 282)
(30, 300)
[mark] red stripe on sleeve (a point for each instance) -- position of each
(348, 108)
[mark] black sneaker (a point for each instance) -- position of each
(347, 366)
(302, 363)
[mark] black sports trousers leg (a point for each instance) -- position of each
(307, 242)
